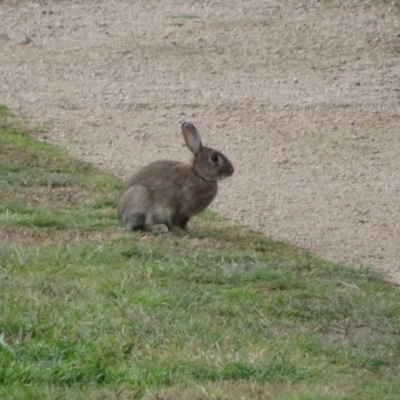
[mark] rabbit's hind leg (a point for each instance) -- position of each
(133, 220)
(159, 221)
(155, 224)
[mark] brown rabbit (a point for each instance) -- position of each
(165, 194)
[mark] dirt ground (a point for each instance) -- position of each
(303, 96)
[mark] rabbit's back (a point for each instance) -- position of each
(154, 173)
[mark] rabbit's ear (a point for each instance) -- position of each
(192, 137)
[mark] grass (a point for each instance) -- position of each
(88, 311)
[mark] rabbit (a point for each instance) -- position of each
(166, 194)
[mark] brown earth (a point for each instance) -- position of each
(304, 97)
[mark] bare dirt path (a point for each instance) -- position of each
(304, 96)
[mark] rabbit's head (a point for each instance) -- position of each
(209, 164)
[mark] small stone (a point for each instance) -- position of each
(26, 40)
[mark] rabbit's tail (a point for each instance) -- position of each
(133, 220)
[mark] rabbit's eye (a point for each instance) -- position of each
(214, 158)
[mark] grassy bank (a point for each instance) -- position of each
(88, 311)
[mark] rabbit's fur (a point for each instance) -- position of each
(165, 194)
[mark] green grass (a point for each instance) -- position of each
(88, 311)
